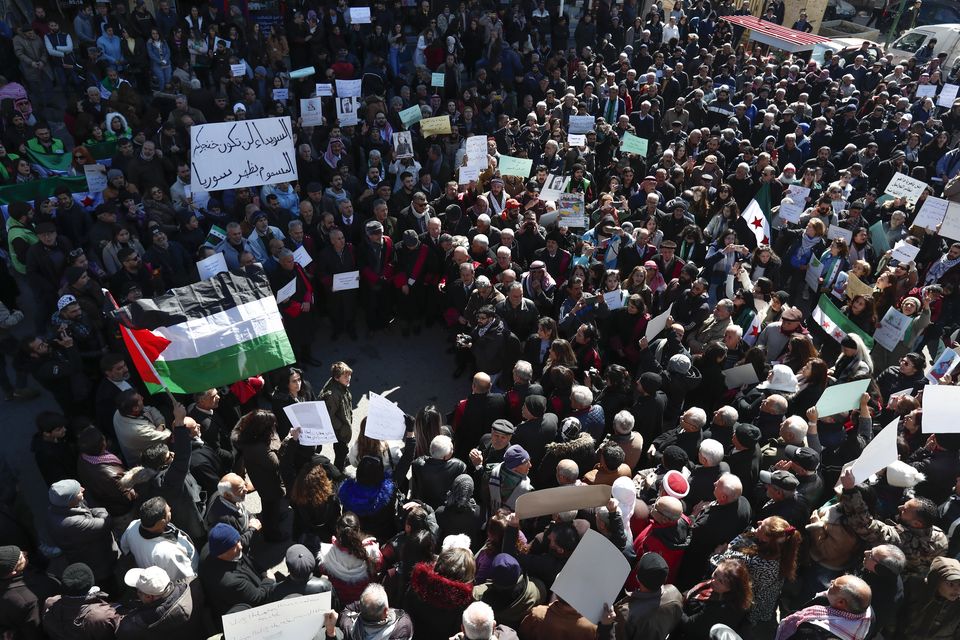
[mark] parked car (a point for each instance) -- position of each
(948, 40)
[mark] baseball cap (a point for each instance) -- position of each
(780, 479)
(803, 456)
(152, 581)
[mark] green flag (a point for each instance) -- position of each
(837, 325)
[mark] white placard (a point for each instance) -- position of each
(891, 329)
(281, 95)
(839, 232)
(553, 186)
(324, 89)
(347, 111)
(790, 211)
(940, 402)
(797, 193)
(740, 375)
(346, 281)
(947, 95)
(96, 175)
(286, 291)
(904, 252)
(349, 88)
(576, 139)
(614, 299)
(302, 257)
(311, 112)
(658, 324)
(592, 576)
(903, 186)
(926, 90)
(251, 153)
(313, 420)
(581, 124)
(838, 206)
(359, 15)
(879, 452)
(212, 265)
(237, 70)
(476, 151)
(468, 175)
(384, 419)
(951, 222)
(300, 617)
(931, 213)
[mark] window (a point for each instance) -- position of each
(910, 43)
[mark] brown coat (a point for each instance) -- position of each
(89, 617)
(557, 621)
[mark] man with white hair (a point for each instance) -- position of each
(431, 476)
(714, 523)
(227, 506)
(590, 415)
(793, 431)
(629, 440)
(722, 424)
(478, 623)
(704, 476)
(369, 617)
(687, 435)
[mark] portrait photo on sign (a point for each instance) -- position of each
(403, 144)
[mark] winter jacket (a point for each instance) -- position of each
(649, 616)
(340, 407)
(581, 450)
(397, 625)
(173, 550)
(228, 583)
(511, 604)
(136, 434)
(21, 600)
(435, 603)
(180, 614)
(88, 617)
(347, 573)
(85, 535)
(102, 488)
(557, 621)
(926, 615)
(667, 540)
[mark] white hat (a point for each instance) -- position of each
(782, 378)
(152, 581)
(902, 475)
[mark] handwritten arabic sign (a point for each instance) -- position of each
(904, 186)
(251, 153)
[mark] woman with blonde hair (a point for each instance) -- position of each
(770, 553)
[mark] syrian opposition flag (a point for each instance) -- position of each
(837, 325)
(210, 334)
(44, 188)
(753, 332)
(757, 215)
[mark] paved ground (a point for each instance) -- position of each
(410, 371)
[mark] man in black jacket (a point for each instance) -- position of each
(474, 415)
(228, 575)
(227, 506)
(301, 581)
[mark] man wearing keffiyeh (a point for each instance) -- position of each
(842, 611)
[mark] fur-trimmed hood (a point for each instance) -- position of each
(436, 591)
(136, 476)
(581, 443)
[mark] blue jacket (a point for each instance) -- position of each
(110, 46)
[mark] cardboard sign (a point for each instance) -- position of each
(947, 95)
(940, 404)
(438, 126)
(592, 576)
(411, 116)
(633, 144)
(359, 15)
(545, 502)
(347, 111)
(857, 287)
(300, 617)
(349, 88)
(841, 398)
(904, 252)
(281, 95)
(476, 152)
(250, 153)
(510, 166)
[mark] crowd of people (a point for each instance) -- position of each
(756, 230)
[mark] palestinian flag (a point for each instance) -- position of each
(210, 334)
(757, 215)
(837, 325)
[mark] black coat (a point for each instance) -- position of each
(716, 525)
(534, 436)
(228, 584)
(21, 600)
(472, 419)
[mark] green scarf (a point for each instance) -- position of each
(509, 480)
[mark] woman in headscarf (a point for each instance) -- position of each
(919, 314)
(854, 362)
(460, 513)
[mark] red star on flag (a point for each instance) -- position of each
(825, 324)
(766, 240)
(754, 331)
(87, 201)
(838, 334)
(757, 222)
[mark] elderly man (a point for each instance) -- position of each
(722, 425)
(711, 467)
(793, 431)
(590, 415)
(713, 328)
(83, 533)
(714, 523)
(775, 335)
(228, 574)
(167, 607)
(629, 440)
(431, 475)
(234, 245)
(665, 534)
(369, 617)
(687, 435)
(507, 481)
(518, 313)
(842, 611)
(227, 506)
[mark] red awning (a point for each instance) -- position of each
(776, 35)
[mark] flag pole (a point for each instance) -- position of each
(133, 339)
